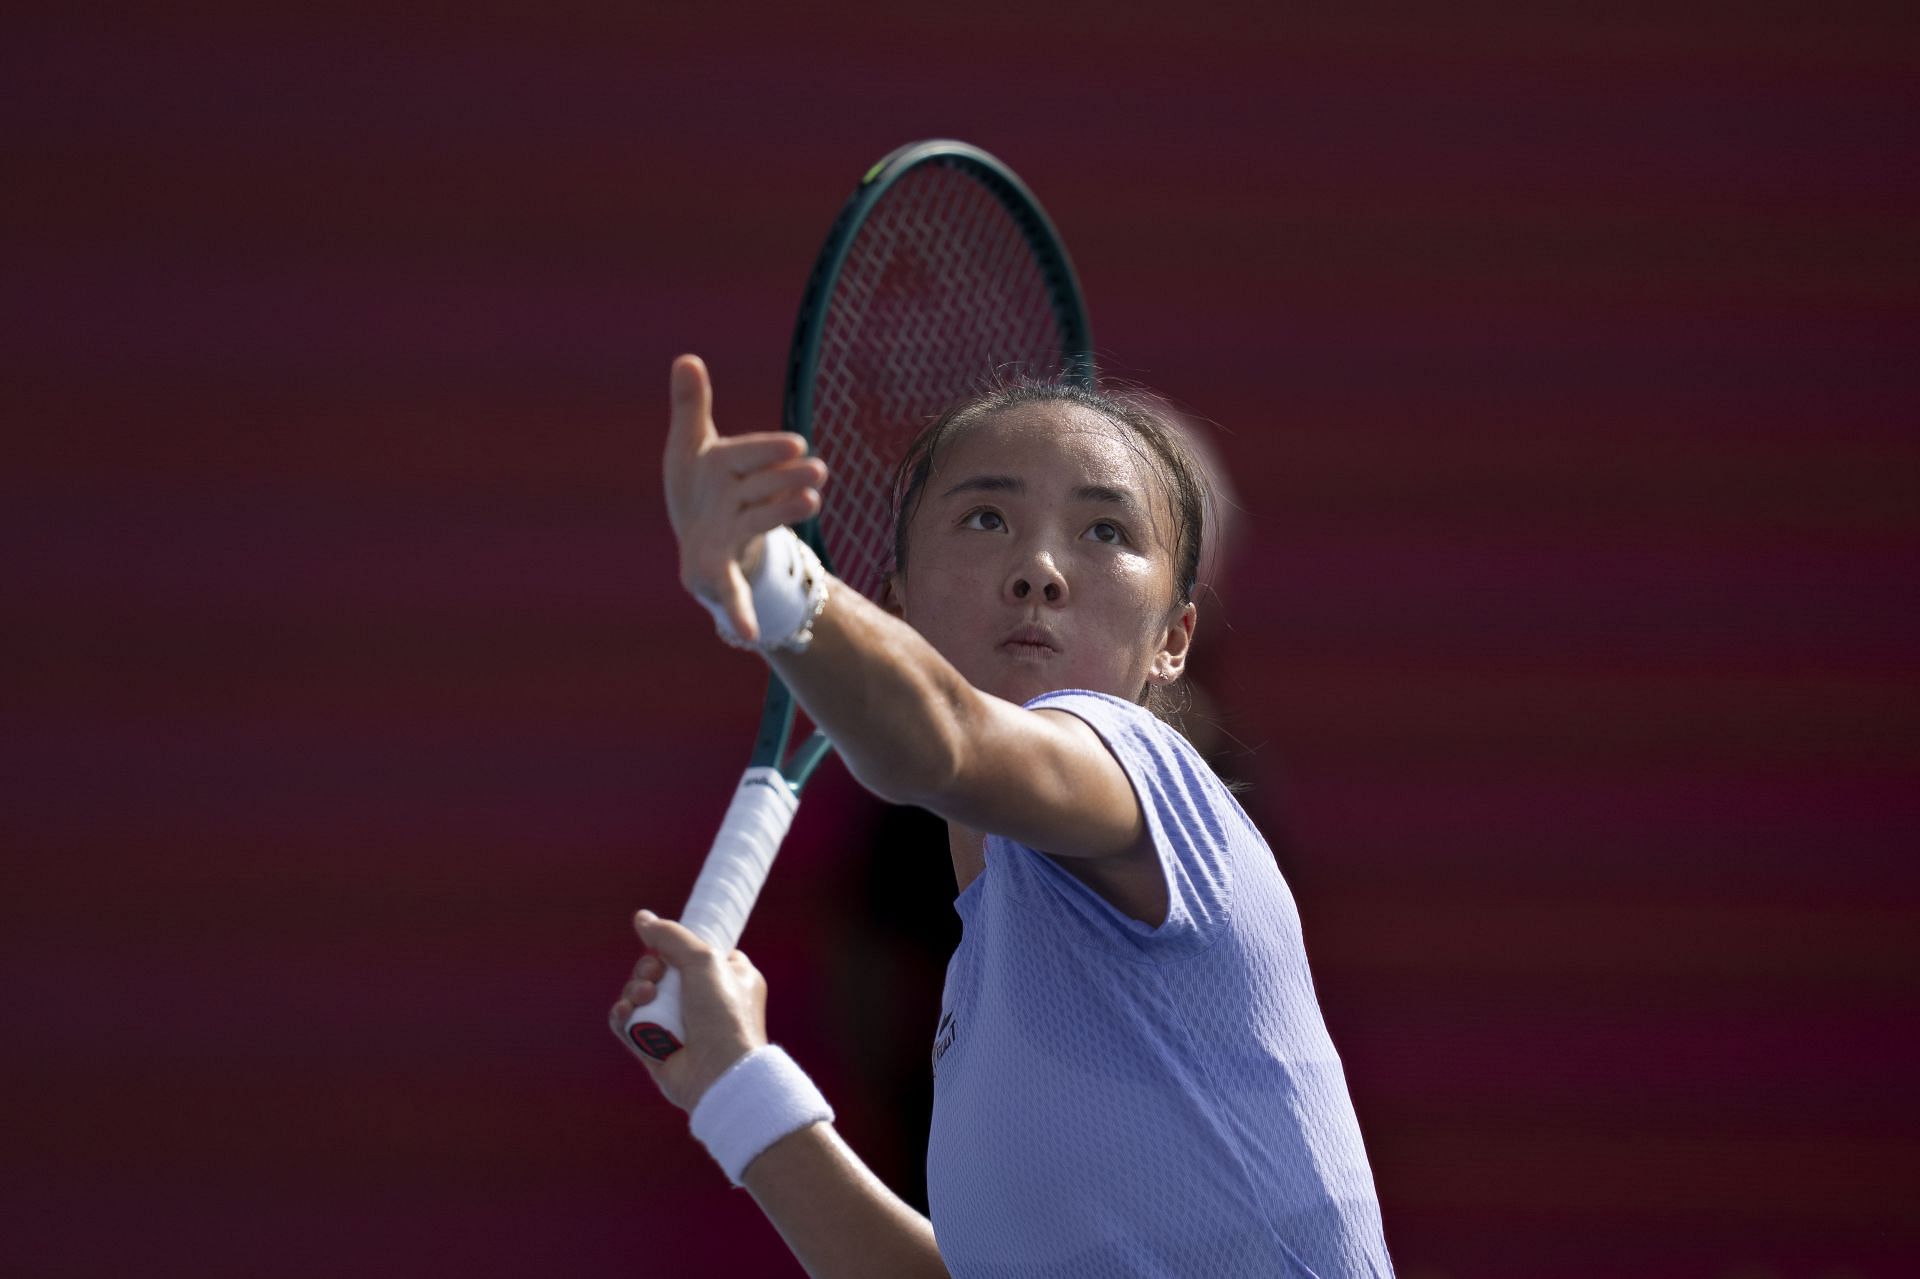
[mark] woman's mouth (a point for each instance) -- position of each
(1030, 642)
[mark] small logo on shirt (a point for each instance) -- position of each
(943, 1038)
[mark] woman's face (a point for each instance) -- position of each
(1041, 557)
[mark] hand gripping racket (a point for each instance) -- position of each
(940, 277)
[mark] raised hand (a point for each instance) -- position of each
(723, 493)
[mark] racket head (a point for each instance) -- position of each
(941, 277)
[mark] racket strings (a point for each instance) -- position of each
(940, 297)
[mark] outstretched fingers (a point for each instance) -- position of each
(771, 481)
(690, 429)
(745, 454)
(724, 492)
(787, 507)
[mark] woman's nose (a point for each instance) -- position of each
(1038, 574)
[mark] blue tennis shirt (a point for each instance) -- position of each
(1113, 1099)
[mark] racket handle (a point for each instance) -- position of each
(736, 867)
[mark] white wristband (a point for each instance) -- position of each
(762, 1097)
(789, 589)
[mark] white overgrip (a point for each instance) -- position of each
(750, 834)
(736, 867)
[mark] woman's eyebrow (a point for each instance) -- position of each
(1105, 494)
(988, 484)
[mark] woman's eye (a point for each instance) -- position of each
(1106, 531)
(985, 520)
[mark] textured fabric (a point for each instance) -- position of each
(1113, 1099)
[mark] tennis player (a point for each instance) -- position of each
(1131, 1072)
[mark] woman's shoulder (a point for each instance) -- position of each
(1130, 730)
(1202, 837)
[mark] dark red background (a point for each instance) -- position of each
(1565, 368)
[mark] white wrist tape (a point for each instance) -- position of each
(789, 589)
(762, 1097)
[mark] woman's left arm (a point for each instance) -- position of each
(913, 731)
(908, 725)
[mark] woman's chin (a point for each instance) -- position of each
(1023, 686)
(1021, 678)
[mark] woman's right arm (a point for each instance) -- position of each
(838, 1219)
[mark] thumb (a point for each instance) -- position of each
(691, 427)
(674, 942)
(739, 605)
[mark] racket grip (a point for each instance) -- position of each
(736, 868)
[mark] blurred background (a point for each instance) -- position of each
(1564, 362)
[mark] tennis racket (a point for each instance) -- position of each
(940, 277)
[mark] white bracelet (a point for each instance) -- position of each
(789, 591)
(760, 1099)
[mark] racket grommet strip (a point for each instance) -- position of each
(760, 1099)
(789, 593)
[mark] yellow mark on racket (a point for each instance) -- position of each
(873, 173)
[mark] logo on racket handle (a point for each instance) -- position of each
(656, 1028)
(653, 1039)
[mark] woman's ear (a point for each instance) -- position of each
(893, 596)
(1171, 660)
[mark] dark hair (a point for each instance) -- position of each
(1172, 457)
